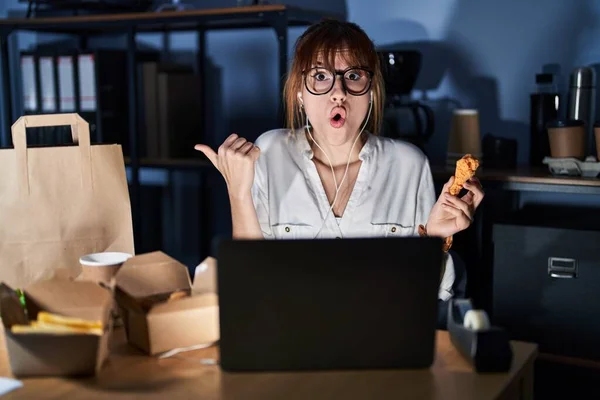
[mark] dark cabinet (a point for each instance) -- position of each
(546, 287)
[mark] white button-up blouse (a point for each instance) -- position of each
(393, 193)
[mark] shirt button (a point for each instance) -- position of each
(287, 228)
(393, 229)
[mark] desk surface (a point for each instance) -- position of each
(129, 374)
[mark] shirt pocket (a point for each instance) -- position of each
(294, 231)
(391, 229)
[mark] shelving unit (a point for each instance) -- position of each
(276, 17)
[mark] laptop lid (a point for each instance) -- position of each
(328, 304)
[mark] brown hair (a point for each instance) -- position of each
(325, 39)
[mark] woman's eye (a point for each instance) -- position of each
(353, 76)
(320, 77)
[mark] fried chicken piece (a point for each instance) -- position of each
(149, 301)
(178, 295)
(465, 170)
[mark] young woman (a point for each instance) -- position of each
(328, 175)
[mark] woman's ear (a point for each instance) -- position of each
(300, 99)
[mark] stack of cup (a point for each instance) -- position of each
(102, 267)
(464, 137)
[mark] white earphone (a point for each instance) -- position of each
(337, 187)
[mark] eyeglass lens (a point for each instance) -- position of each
(321, 80)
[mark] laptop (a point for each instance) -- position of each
(291, 305)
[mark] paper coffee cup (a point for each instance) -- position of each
(464, 136)
(101, 267)
(567, 139)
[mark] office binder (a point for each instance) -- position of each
(28, 82)
(149, 99)
(39, 84)
(87, 82)
(47, 82)
(66, 84)
(86, 89)
(179, 113)
(92, 83)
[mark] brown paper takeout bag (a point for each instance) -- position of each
(59, 203)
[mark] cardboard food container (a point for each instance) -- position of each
(155, 323)
(52, 354)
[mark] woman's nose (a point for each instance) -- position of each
(338, 93)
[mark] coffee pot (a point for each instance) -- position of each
(404, 118)
(411, 121)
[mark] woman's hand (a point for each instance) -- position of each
(235, 160)
(451, 214)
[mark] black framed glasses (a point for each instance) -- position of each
(355, 80)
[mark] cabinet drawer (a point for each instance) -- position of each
(546, 287)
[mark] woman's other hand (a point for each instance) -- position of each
(452, 214)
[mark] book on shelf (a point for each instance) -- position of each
(172, 110)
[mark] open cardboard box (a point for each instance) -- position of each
(47, 354)
(156, 324)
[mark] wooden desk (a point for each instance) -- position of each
(130, 374)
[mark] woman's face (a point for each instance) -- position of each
(336, 116)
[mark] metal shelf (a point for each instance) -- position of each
(262, 16)
(173, 163)
(276, 17)
(527, 179)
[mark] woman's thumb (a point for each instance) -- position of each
(208, 152)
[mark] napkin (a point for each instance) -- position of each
(8, 385)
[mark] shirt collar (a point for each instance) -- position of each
(299, 136)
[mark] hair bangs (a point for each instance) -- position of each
(323, 48)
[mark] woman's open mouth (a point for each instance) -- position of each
(337, 117)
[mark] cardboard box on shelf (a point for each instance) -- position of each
(161, 308)
(56, 354)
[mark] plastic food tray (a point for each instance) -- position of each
(573, 166)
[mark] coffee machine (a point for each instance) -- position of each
(404, 118)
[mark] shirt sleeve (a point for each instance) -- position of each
(425, 201)
(261, 200)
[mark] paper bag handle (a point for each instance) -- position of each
(80, 131)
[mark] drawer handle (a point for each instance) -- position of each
(562, 268)
(562, 275)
